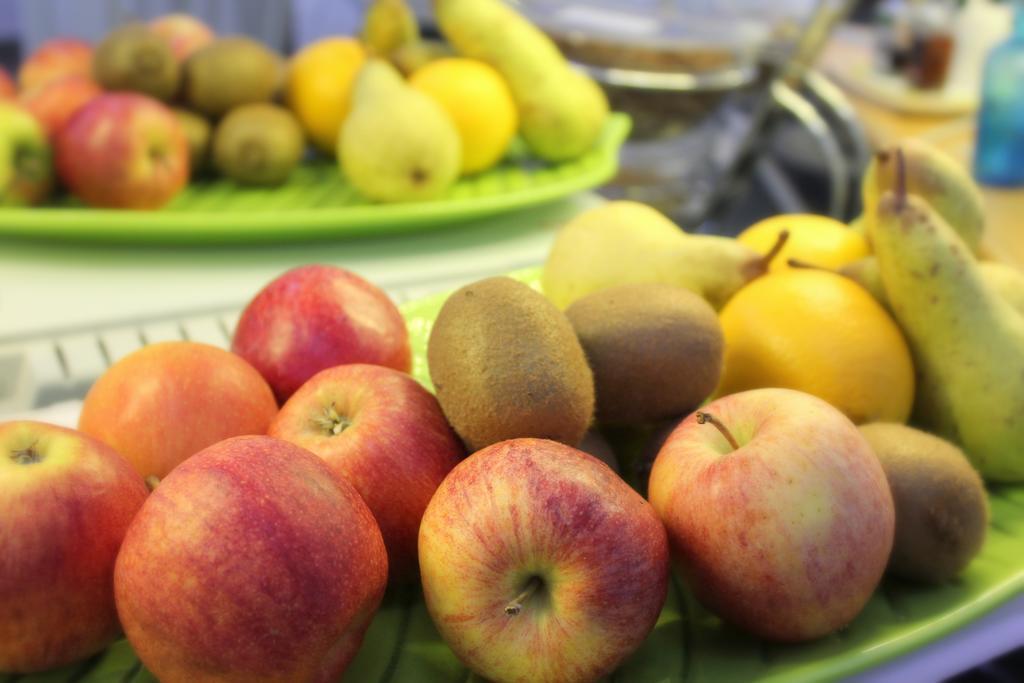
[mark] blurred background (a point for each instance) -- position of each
(731, 123)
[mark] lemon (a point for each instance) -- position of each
(319, 87)
(480, 103)
(818, 240)
(820, 333)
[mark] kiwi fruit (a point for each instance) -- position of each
(258, 144)
(230, 72)
(198, 132)
(941, 506)
(505, 363)
(655, 350)
(134, 58)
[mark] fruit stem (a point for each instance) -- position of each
(797, 263)
(26, 456)
(152, 481)
(516, 606)
(708, 418)
(332, 422)
(780, 242)
(901, 180)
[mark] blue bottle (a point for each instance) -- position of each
(999, 152)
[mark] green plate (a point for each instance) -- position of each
(316, 202)
(688, 644)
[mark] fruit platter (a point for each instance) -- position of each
(532, 450)
(167, 133)
(793, 455)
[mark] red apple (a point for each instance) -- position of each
(8, 90)
(57, 101)
(315, 317)
(123, 150)
(786, 529)
(66, 502)
(55, 59)
(183, 32)
(382, 432)
(165, 402)
(250, 562)
(540, 564)
(26, 161)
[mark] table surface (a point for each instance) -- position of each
(49, 288)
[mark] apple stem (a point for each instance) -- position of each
(708, 418)
(516, 606)
(901, 180)
(780, 242)
(26, 456)
(332, 422)
(152, 481)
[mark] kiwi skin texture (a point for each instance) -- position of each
(941, 506)
(258, 144)
(655, 350)
(506, 364)
(134, 58)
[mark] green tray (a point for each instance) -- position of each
(317, 202)
(688, 644)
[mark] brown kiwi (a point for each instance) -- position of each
(941, 506)
(505, 363)
(655, 350)
(258, 144)
(229, 72)
(134, 58)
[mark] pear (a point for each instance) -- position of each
(967, 341)
(561, 110)
(937, 179)
(397, 144)
(626, 242)
(389, 24)
(1005, 281)
(865, 272)
(411, 57)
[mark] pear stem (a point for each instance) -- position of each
(901, 180)
(516, 606)
(797, 263)
(708, 418)
(780, 242)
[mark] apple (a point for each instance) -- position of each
(67, 501)
(183, 32)
(382, 432)
(8, 90)
(26, 159)
(55, 59)
(123, 150)
(540, 564)
(250, 562)
(165, 402)
(57, 101)
(315, 317)
(777, 510)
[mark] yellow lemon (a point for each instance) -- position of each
(818, 240)
(319, 87)
(820, 333)
(480, 103)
